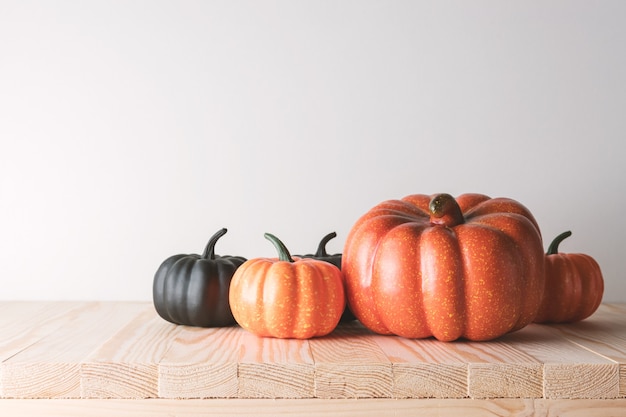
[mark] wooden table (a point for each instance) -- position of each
(121, 358)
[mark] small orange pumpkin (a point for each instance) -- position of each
(574, 285)
(287, 297)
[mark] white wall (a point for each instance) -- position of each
(133, 130)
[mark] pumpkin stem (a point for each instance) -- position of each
(321, 249)
(444, 210)
(283, 253)
(209, 250)
(553, 249)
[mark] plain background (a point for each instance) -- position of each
(133, 130)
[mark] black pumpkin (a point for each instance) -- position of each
(334, 259)
(321, 253)
(193, 289)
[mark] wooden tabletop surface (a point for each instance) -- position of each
(122, 352)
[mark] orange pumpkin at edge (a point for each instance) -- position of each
(470, 267)
(574, 285)
(287, 297)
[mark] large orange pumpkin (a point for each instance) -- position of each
(470, 267)
(574, 285)
(287, 297)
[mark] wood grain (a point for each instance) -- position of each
(500, 370)
(123, 353)
(126, 366)
(569, 370)
(275, 368)
(603, 333)
(24, 323)
(201, 363)
(425, 368)
(315, 408)
(50, 367)
(349, 364)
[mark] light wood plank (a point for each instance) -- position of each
(126, 366)
(50, 368)
(429, 368)
(349, 364)
(293, 407)
(603, 333)
(24, 323)
(424, 368)
(14, 312)
(500, 370)
(610, 318)
(616, 308)
(201, 363)
(314, 407)
(102, 350)
(580, 408)
(275, 368)
(569, 370)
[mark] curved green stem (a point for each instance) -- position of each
(553, 249)
(321, 249)
(444, 210)
(283, 253)
(209, 250)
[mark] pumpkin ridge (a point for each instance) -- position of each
(180, 311)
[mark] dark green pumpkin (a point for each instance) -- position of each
(193, 289)
(321, 253)
(334, 259)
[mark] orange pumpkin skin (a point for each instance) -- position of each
(574, 286)
(434, 266)
(287, 297)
